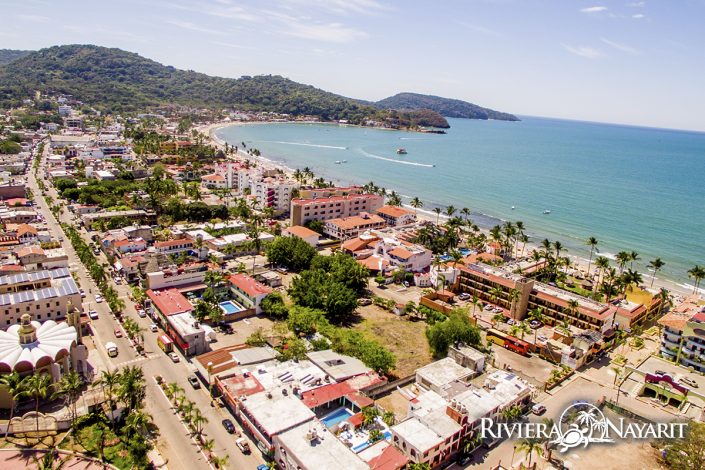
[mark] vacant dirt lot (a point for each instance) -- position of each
(404, 338)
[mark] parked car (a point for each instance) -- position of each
(118, 333)
(689, 382)
(98, 298)
(535, 324)
(93, 315)
(488, 307)
(141, 313)
(464, 296)
(153, 328)
(510, 321)
(174, 357)
(83, 293)
(228, 425)
(660, 372)
(538, 409)
(364, 301)
(193, 380)
(243, 445)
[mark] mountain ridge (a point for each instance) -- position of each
(447, 107)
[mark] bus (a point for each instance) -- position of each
(165, 343)
(508, 341)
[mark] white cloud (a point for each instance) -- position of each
(636, 4)
(638, 16)
(34, 18)
(477, 28)
(192, 27)
(326, 32)
(595, 9)
(340, 7)
(584, 51)
(622, 47)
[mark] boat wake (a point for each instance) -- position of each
(306, 145)
(403, 162)
(412, 138)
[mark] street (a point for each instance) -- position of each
(175, 443)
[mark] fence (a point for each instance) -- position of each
(376, 391)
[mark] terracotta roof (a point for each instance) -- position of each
(482, 257)
(394, 211)
(347, 223)
(170, 301)
(389, 459)
(11, 268)
(326, 394)
(25, 228)
(373, 263)
(214, 177)
(357, 244)
(674, 320)
(29, 250)
(302, 232)
(401, 253)
(248, 285)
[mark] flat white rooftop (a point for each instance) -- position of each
(278, 413)
(323, 452)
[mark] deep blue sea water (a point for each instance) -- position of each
(633, 188)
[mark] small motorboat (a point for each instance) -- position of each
(547, 211)
(513, 207)
(401, 151)
(344, 161)
(337, 162)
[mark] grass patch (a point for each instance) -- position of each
(92, 434)
(404, 338)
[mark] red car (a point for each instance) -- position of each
(118, 334)
(138, 307)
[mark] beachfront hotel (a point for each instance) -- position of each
(351, 227)
(683, 334)
(333, 207)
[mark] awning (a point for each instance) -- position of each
(210, 332)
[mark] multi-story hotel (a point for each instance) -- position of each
(351, 227)
(683, 335)
(333, 207)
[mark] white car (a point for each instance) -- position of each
(93, 315)
(174, 357)
(153, 328)
(141, 313)
(98, 298)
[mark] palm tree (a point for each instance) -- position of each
(70, 387)
(514, 296)
(173, 390)
(132, 388)
(221, 462)
(655, 266)
(438, 211)
(622, 259)
(496, 294)
(109, 380)
(137, 422)
(573, 306)
(633, 256)
(537, 315)
(603, 263)
(450, 210)
(456, 256)
(15, 386)
(529, 446)
(37, 387)
(592, 243)
(466, 213)
(393, 199)
(198, 421)
(697, 272)
(208, 445)
(664, 299)
(416, 203)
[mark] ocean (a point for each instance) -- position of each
(634, 189)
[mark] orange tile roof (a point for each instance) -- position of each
(170, 243)
(675, 320)
(170, 301)
(401, 253)
(394, 211)
(373, 263)
(302, 232)
(213, 177)
(389, 459)
(355, 221)
(29, 250)
(248, 285)
(25, 228)
(357, 244)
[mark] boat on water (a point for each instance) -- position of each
(513, 207)
(344, 161)
(401, 151)
(547, 211)
(338, 162)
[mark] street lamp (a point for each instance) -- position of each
(209, 367)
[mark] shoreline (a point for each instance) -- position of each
(580, 264)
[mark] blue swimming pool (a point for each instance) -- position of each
(231, 307)
(387, 435)
(331, 419)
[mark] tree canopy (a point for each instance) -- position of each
(457, 328)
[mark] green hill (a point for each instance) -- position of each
(444, 106)
(114, 80)
(11, 55)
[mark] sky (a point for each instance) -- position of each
(629, 61)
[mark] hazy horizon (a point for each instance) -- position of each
(629, 63)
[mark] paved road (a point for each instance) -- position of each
(175, 443)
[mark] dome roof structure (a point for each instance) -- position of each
(31, 344)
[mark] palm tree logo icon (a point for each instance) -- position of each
(581, 424)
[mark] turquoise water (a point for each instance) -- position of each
(331, 419)
(633, 188)
(230, 307)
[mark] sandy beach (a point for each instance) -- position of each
(579, 263)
